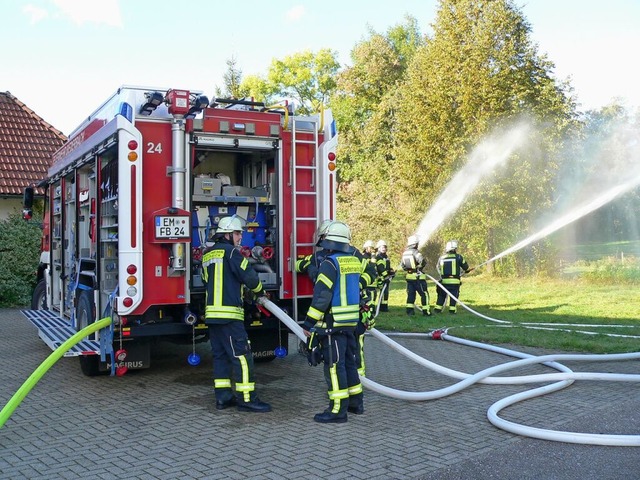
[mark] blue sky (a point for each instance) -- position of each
(62, 58)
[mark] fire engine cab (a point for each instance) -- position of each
(133, 197)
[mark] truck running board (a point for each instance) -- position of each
(55, 330)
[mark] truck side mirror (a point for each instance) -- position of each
(27, 202)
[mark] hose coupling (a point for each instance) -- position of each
(437, 334)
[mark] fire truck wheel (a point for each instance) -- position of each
(89, 364)
(39, 298)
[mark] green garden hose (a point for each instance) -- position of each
(46, 365)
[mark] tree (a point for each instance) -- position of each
(232, 79)
(307, 78)
(480, 71)
(364, 107)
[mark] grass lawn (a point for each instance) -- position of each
(570, 307)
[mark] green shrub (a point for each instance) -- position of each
(613, 269)
(19, 257)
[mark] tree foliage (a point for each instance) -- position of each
(364, 106)
(19, 256)
(478, 72)
(232, 80)
(305, 77)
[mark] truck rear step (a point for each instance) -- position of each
(55, 330)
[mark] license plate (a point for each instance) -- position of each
(174, 226)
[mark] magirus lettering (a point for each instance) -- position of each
(264, 353)
(139, 364)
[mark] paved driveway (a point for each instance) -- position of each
(161, 423)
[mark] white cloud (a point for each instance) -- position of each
(34, 13)
(91, 11)
(295, 13)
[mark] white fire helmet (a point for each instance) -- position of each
(451, 246)
(380, 244)
(322, 231)
(231, 224)
(338, 237)
(412, 241)
(368, 244)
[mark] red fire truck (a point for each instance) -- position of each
(136, 193)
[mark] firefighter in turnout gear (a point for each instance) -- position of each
(224, 271)
(450, 267)
(310, 264)
(369, 254)
(331, 321)
(368, 251)
(385, 273)
(413, 263)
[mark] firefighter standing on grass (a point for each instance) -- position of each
(369, 254)
(224, 271)
(368, 251)
(450, 267)
(413, 262)
(331, 321)
(385, 273)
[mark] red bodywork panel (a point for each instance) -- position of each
(156, 185)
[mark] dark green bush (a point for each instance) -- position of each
(19, 257)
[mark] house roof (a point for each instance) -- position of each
(26, 145)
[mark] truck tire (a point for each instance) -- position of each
(89, 364)
(39, 298)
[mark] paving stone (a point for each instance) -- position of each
(161, 423)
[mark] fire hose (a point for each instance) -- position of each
(38, 373)
(562, 379)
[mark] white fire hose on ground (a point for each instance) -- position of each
(562, 379)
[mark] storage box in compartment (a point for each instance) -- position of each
(109, 265)
(110, 281)
(205, 188)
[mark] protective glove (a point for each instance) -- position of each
(314, 352)
(366, 316)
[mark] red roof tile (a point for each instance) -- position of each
(26, 145)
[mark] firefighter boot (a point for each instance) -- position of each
(222, 404)
(426, 311)
(225, 398)
(255, 405)
(356, 404)
(329, 417)
(410, 311)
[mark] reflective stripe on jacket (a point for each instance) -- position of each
(336, 294)
(224, 271)
(450, 267)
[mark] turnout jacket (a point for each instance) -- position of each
(224, 271)
(383, 267)
(450, 266)
(336, 293)
(413, 262)
(368, 272)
